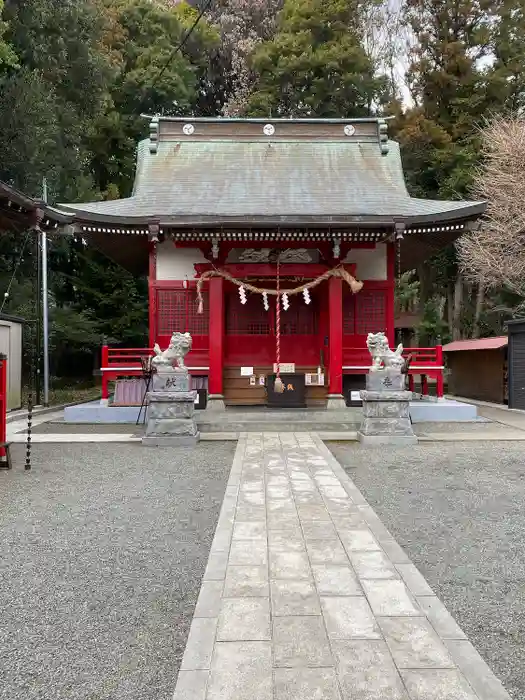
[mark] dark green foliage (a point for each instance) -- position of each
(316, 65)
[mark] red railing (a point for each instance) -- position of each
(127, 362)
(426, 362)
(3, 410)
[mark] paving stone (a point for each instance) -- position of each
(414, 580)
(255, 530)
(440, 618)
(326, 552)
(366, 670)
(390, 598)
(333, 579)
(394, 552)
(246, 581)
(250, 513)
(282, 521)
(199, 647)
(286, 541)
(209, 600)
(248, 553)
(349, 520)
(244, 619)
(216, 567)
(191, 685)
(241, 671)
(373, 565)
(294, 598)
(306, 684)
(300, 641)
(349, 618)
(308, 513)
(289, 565)
(222, 538)
(476, 671)
(318, 530)
(432, 684)
(286, 506)
(359, 540)
(414, 643)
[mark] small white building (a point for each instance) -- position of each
(11, 347)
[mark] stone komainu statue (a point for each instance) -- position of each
(382, 356)
(179, 347)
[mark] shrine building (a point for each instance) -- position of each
(264, 202)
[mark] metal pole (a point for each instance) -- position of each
(38, 324)
(45, 303)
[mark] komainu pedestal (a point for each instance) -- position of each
(171, 409)
(386, 409)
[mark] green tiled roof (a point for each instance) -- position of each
(214, 180)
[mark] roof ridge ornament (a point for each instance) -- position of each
(154, 133)
(382, 133)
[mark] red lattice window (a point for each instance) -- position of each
(300, 319)
(364, 312)
(177, 311)
(246, 319)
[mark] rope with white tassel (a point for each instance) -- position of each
(278, 386)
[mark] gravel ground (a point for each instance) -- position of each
(102, 551)
(458, 509)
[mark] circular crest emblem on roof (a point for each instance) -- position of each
(188, 129)
(349, 129)
(269, 130)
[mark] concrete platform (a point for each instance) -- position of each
(277, 420)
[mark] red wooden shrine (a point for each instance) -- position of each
(235, 194)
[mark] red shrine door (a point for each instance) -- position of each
(250, 330)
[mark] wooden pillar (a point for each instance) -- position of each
(216, 340)
(335, 339)
(152, 293)
(390, 322)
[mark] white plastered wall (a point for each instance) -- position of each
(177, 263)
(371, 264)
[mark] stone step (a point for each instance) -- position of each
(353, 415)
(288, 426)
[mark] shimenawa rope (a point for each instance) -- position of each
(338, 271)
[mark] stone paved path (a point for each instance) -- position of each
(307, 596)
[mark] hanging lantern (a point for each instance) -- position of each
(242, 294)
(286, 302)
(306, 296)
(265, 301)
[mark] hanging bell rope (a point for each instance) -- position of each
(278, 385)
(338, 271)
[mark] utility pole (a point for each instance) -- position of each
(38, 315)
(45, 302)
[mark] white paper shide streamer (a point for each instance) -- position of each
(242, 295)
(306, 296)
(265, 301)
(285, 301)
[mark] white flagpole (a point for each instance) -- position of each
(45, 304)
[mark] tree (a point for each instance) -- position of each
(449, 82)
(494, 256)
(507, 84)
(242, 26)
(7, 55)
(316, 65)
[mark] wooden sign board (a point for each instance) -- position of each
(285, 368)
(246, 371)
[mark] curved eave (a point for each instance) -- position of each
(469, 211)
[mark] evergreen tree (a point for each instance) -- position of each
(316, 65)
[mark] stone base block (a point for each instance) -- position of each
(171, 440)
(170, 426)
(170, 379)
(381, 440)
(335, 402)
(215, 403)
